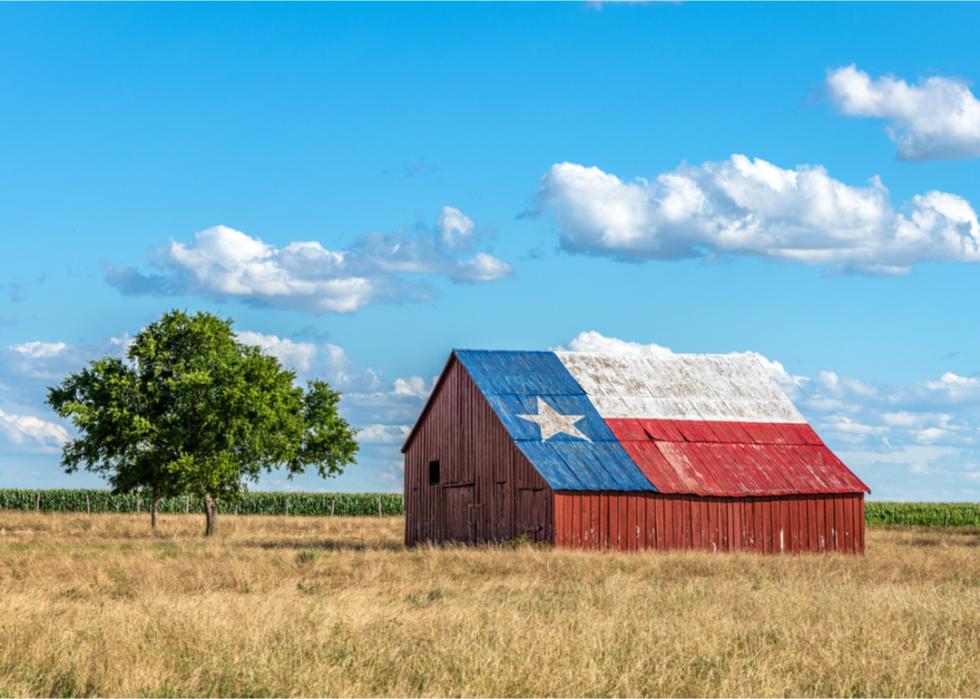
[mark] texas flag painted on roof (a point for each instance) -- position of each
(713, 425)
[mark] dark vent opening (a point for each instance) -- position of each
(433, 473)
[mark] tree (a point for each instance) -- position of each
(107, 405)
(196, 412)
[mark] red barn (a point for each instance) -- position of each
(595, 451)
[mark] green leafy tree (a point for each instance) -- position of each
(196, 412)
(108, 407)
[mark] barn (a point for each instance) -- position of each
(596, 451)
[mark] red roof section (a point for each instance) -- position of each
(733, 459)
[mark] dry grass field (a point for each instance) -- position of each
(97, 605)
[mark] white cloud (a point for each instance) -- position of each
(412, 386)
(37, 349)
(297, 355)
(744, 206)
(953, 388)
(850, 429)
(936, 118)
(840, 385)
(905, 418)
(31, 431)
(227, 263)
(930, 434)
(383, 434)
(482, 267)
(592, 341)
(47, 361)
(454, 224)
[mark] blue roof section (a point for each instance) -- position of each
(512, 383)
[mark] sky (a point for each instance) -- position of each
(363, 188)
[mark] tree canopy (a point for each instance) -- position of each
(195, 411)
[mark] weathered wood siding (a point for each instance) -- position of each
(633, 521)
(488, 490)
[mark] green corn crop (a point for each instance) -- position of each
(931, 514)
(258, 503)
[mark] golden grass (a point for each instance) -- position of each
(97, 605)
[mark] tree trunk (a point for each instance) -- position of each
(210, 514)
(154, 506)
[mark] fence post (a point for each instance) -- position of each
(287, 505)
(187, 504)
(333, 502)
(88, 505)
(379, 507)
(137, 504)
(37, 502)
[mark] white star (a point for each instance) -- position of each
(552, 422)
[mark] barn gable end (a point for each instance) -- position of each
(487, 489)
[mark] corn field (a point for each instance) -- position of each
(257, 503)
(933, 514)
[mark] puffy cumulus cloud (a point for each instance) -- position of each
(297, 355)
(454, 225)
(592, 341)
(32, 432)
(226, 263)
(935, 118)
(746, 206)
(952, 388)
(382, 434)
(412, 386)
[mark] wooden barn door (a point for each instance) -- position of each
(532, 509)
(460, 513)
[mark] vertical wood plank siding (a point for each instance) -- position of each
(488, 490)
(785, 524)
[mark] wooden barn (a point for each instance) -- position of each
(595, 451)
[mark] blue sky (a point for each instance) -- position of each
(364, 187)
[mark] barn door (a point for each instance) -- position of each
(532, 509)
(460, 513)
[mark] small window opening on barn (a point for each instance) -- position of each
(433, 473)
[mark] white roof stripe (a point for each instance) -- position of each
(724, 387)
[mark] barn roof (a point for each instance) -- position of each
(712, 425)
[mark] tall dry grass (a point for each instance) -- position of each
(97, 605)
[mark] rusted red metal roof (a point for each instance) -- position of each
(732, 459)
